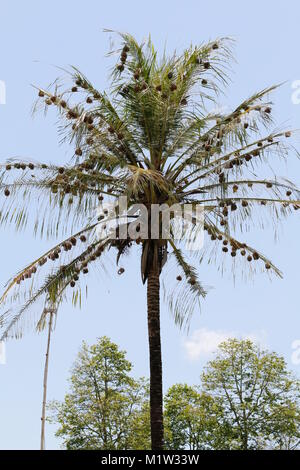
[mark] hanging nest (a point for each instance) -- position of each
(123, 57)
(6, 192)
(244, 203)
(225, 249)
(170, 75)
(215, 46)
(269, 185)
(184, 102)
(158, 88)
(268, 110)
(246, 125)
(204, 82)
(72, 114)
(267, 266)
(89, 100)
(256, 256)
(179, 278)
(243, 252)
(233, 254)
(85, 270)
(8, 167)
(72, 283)
(41, 94)
(74, 89)
(78, 152)
(249, 258)
(233, 207)
(120, 67)
(83, 238)
(173, 87)
(121, 271)
(289, 193)
(288, 134)
(225, 242)
(206, 65)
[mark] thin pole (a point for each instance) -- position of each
(43, 419)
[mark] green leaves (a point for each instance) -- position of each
(255, 390)
(105, 409)
(153, 137)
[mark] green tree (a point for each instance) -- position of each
(258, 395)
(149, 138)
(191, 419)
(105, 404)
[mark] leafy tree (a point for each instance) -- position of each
(149, 138)
(105, 404)
(258, 396)
(191, 419)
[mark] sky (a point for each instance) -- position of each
(35, 38)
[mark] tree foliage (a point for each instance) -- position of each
(151, 138)
(258, 395)
(247, 399)
(105, 404)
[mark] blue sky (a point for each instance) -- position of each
(34, 38)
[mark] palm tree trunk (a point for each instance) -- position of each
(156, 393)
(43, 419)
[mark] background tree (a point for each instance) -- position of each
(105, 404)
(149, 138)
(192, 419)
(259, 397)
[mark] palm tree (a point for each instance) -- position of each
(151, 139)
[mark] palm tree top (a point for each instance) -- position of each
(152, 139)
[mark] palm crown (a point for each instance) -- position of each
(152, 140)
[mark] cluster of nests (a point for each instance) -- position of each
(192, 281)
(235, 247)
(92, 254)
(224, 205)
(213, 144)
(141, 85)
(71, 113)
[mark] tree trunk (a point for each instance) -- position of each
(43, 419)
(156, 393)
